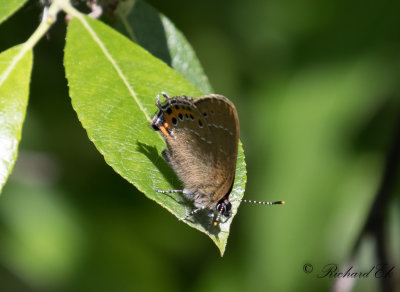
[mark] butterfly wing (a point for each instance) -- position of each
(202, 149)
(223, 123)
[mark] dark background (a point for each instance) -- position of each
(316, 85)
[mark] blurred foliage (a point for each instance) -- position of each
(316, 85)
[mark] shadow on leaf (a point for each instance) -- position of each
(159, 162)
(203, 217)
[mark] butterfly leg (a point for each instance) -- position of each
(166, 96)
(192, 213)
(166, 156)
(168, 192)
(181, 191)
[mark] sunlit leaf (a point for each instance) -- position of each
(7, 8)
(15, 70)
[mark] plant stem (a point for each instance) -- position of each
(49, 17)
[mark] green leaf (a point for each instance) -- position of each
(157, 34)
(113, 86)
(15, 68)
(7, 8)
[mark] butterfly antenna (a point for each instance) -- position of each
(263, 203)
(191, 213)
(215, 223)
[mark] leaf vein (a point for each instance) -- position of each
(113, 63)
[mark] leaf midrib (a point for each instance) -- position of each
(109, 57)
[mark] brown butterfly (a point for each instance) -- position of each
(202, 137)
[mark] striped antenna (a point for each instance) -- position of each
(215, 223)
(191, 213)
(263, 203)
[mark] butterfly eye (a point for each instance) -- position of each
(224, 207)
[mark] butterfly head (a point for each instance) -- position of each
(223, 208)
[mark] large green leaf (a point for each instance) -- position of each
(157, 34)
(15, 70)
(8, 7)
(113, 86)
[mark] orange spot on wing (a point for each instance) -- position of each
(164, 130)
